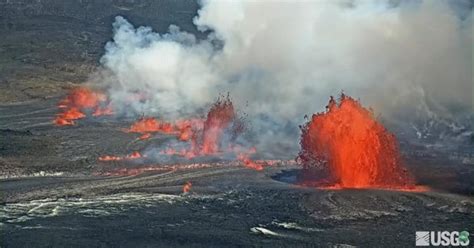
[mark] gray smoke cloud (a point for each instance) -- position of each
(281, 60)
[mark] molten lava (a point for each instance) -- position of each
(149, 125)
(220, 117)
(78, 100)
(206, 138)
(187, 187)
(355, 149)
(133, 155)
(68, 116)
(244, 158)
(212, 136)
(183, 129)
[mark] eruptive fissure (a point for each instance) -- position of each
(131, 156)
(212, 136)
(77, 101)
(206, 137)
(220, 117)
(182, 129)
(349, 145)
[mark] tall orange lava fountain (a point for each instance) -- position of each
(357, 151)
(220, 117)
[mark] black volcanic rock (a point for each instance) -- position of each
(47, 45)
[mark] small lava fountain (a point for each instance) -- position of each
(219, 118)
(80, 99)
(351, 149)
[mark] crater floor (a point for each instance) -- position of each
(55, 193)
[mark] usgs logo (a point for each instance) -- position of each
(442, 238)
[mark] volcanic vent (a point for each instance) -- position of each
(351, 148)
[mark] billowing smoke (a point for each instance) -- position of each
(280, 60)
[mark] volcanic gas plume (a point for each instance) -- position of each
(355, 149)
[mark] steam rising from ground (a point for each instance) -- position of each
(281, 59)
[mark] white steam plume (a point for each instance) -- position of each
(281, 60)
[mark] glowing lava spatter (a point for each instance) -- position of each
(131, 156)
(187, 187)
(212, 136)
(244, 157)
(150, 125)
(68, 116)
(220, 117)
(183, 129)
(354, 147)
(205, 137)
(79, 99)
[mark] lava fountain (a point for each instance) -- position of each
(78, 100)
(219, 118)
(352, 148)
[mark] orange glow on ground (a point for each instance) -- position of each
(133, 155)
(79, 99)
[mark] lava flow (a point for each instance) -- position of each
(183, 129)
(354, 149)
(210, 137)
(133, 155)
(150, 125)
(78, 100)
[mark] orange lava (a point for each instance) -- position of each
(187, 187)
(249, 163)
(220, 117)
(183, 129)
(133, 155)
(244, 157)
(187, 128)
(206, 137)
(354, 147)
(68, 116)
(79, 99)
(150, 125)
